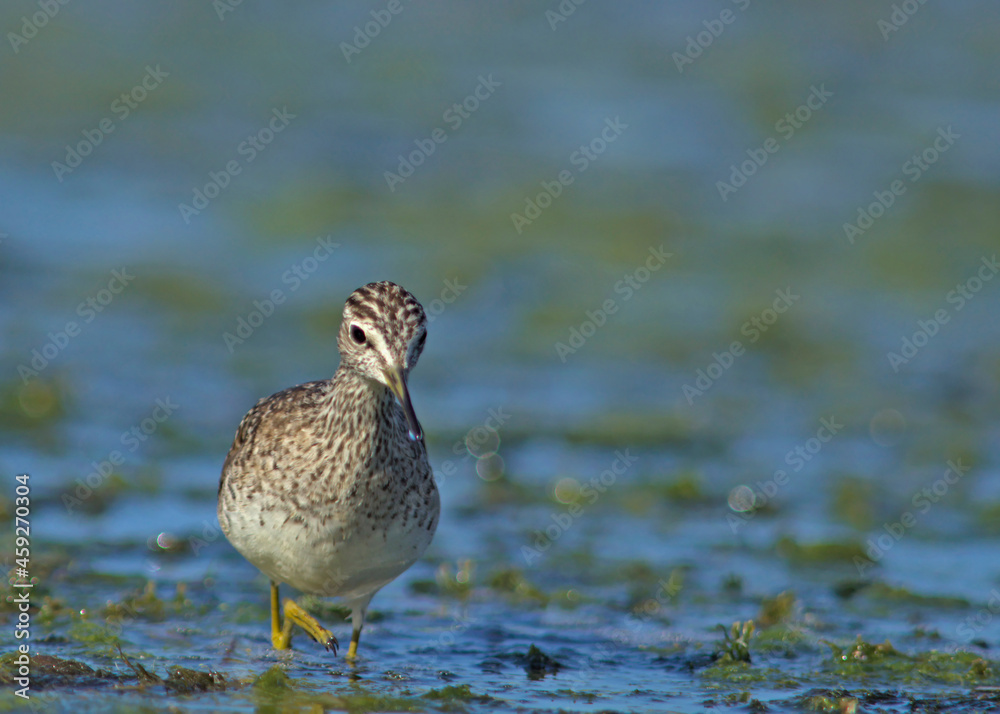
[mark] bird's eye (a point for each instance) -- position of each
(357, 334)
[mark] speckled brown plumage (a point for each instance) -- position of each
(327, 486)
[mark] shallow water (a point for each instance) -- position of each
(780, 480)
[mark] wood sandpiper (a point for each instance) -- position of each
(327, 486)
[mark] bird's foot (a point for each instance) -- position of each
(295, 615)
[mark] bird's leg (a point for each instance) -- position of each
(294, 614)
(280, 638)
(357, 622)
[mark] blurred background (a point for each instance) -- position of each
(718, 276)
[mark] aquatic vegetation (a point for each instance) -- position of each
(34, 406)
(456, 693)
(99, 638)
(879, 590)
(188, 681)
(538, 664)
(864, 660)
(777, 610)
(588, 697)
(513, 583)
(457, 582)
(143, 604)
(853, 501)
(638, 429)
(685, 488)
(735, 645)
(49, 671)
(785, 640)
(828, 702)
(818, 553)
(273, 680)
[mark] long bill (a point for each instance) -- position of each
(395, 377)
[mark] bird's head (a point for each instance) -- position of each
(381, 338)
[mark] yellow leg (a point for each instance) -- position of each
(358, 609)
(352, 651)
(280, 640)
(294, 614)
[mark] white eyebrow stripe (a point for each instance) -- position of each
(378, 344)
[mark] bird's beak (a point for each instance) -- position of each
(395, 377)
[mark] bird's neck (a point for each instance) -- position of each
(365, 407)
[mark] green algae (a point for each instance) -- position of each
(49, 670)
(786, 640)
(687, 487)
(456, 693)
(879, 590)
(145, 604)
(828, 702)
(450, 581)
(744, 674)
(186, 295)
(577, 696)
(853, 502)
(819, 553)
(458, 581)
(97, 637)
(275, 687)
(273, 681)
(35, 407)
(182, 680)
(865, 661)
(513, 583)
(634, 428)
(777, 610)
